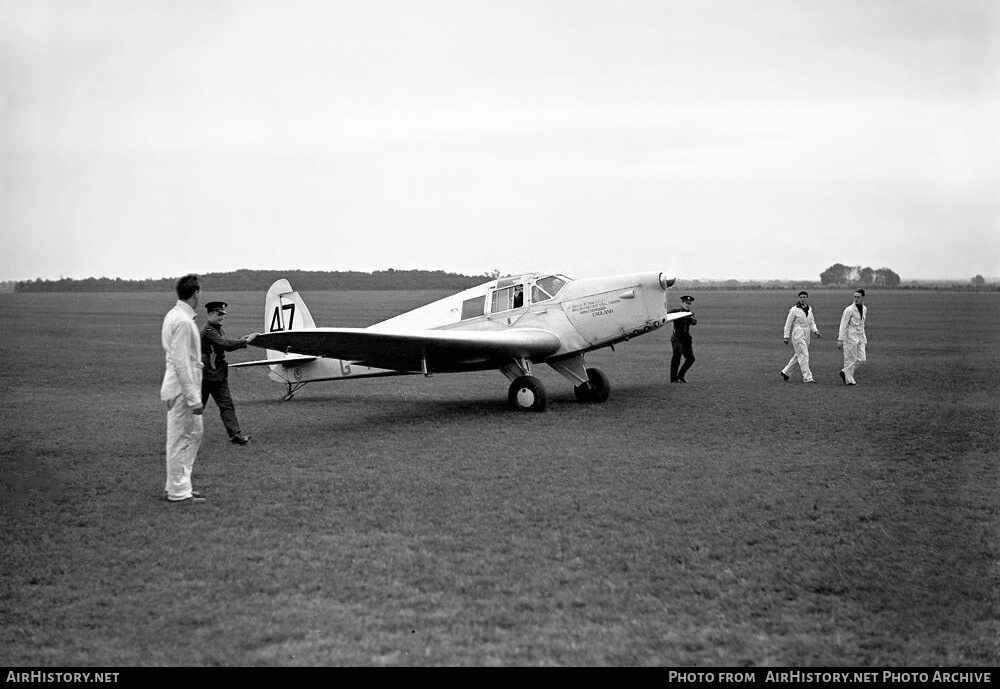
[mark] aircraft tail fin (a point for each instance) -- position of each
(284, 309)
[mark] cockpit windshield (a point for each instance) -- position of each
(547, 287)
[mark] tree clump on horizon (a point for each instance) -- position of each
(838, 274)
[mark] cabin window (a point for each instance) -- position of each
(472, 308)
(508, 298)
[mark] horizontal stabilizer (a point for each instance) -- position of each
(677, 315)
(290, 360)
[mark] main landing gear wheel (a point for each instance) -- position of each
(527, 393)
(596, 390)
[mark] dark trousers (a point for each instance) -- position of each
(682, 347)
(219, 390)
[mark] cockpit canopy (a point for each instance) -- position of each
(515, 292)
(510, 291)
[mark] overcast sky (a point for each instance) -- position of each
(744, 139)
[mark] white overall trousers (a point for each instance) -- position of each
(798, 328)
(852, 334)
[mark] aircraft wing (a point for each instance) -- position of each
(415, 350)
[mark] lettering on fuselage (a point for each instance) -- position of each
(594, 307)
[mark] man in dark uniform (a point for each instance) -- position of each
(681, 342)
(215, 378)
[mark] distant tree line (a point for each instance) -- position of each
(260, 280)
(839, 274)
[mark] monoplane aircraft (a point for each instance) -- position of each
(510, 324)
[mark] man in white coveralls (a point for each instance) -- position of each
(799, 325)
(852, 338)
(181, 391)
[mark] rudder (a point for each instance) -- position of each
(284, 309)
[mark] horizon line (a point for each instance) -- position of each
(679, 279)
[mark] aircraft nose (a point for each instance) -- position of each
(666, 282)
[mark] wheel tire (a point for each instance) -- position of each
(527, 394)
(596, 390)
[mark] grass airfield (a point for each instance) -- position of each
(738, 520)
